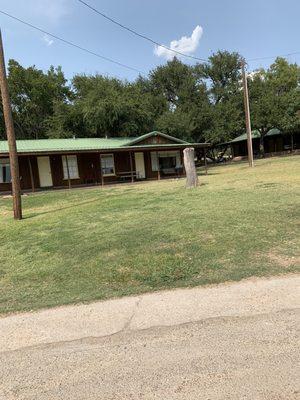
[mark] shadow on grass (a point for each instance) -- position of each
(37, 214)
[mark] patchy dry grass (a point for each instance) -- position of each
(89, 244)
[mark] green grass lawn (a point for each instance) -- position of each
(87, 244)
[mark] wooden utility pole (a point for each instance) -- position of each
(247, 115)
(10, 133)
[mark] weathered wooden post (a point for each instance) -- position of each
(68, 172)
(190, 168)
(31, 174)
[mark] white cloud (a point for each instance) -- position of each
(185, 45)
(47, 39)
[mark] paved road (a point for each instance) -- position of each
(183, 344)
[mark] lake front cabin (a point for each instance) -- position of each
(59, 163)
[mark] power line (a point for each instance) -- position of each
(117, 62)
(72, 44)
(137, 33)
(269, 57)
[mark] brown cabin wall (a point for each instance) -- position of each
(88, 167)
(156, 140)
(25, 172)
(148, 167)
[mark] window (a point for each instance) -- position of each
(107, 164)
(154, 161)
(70, 162)
(5, 176)
(165, 159)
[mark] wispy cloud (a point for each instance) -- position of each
(47, 39)
(186, 45)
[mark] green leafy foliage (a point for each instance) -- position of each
(202, 102)
(33, 96)
(275, 98)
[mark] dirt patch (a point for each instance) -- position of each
(283, 260)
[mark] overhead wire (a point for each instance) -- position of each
(72, 43)
(139, 34)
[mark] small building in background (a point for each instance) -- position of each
(275, 143)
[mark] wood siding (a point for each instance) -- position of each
(89, 169)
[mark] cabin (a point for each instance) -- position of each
(275, 143)
(59, 163)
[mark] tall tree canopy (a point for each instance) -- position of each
(201, 102)
(186, 113)
(223, 78)
(33, 96)
(275, 98)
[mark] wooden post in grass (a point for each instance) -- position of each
(10, 132)
(190, 168)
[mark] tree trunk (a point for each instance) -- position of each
(190, 168)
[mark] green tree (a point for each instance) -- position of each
(186, 111)
(222, 75)
(111, 107)
(275, 98)
(33, 95)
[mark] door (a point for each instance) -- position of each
(44, 171)
(140, 165)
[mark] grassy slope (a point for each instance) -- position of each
(89, 244)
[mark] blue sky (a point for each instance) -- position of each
(255, 28)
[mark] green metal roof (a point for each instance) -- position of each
(42, 145)
(255, 135)
(273, 132)
(88, 144)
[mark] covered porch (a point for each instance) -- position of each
(58, 163)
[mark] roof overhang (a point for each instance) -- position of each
(154, 147)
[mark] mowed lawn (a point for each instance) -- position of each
(87, 244)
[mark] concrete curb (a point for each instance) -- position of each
(166, 308)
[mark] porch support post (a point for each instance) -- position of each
(68, 172)
(31, 174)
(182, 162)
(205, 161)
(131, 166)
(158, 168)
(101, 172)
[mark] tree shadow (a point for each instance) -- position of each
(37, 214)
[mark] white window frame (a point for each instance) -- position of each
(65, 170)
(6, 163)
(114, 168)
(155, 155)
